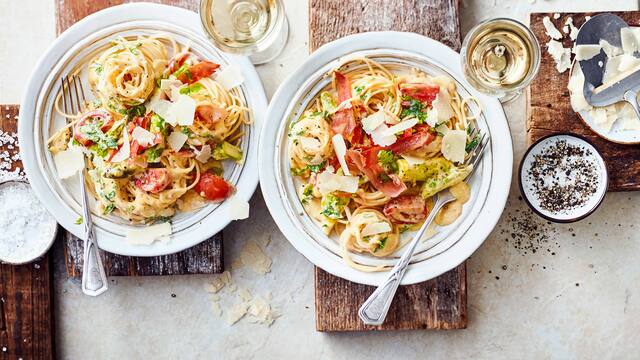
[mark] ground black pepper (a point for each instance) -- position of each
(563, 176)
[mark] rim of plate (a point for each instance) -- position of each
(441, 56)
(219, 216)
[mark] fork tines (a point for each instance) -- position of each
(73, 98)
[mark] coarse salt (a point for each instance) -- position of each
(27, 228)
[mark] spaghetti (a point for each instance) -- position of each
(158, 131)
(374, 147)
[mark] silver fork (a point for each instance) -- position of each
(374, 310)
(94, 279)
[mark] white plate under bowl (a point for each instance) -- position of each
(453, 244)
(68, 53)
(617, 134)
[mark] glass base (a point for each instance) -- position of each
(274, 49)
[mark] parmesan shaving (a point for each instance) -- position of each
(142, 136)
(341, 151)
(380, 137)
(148, 234)
(204, 154)
(328, 183)
(374, 120)
(176, 140)
(413, 160)
(230, 77)
(560, 54)
(401, 126)
(69, 162)
(253, 257)
(125, 150)
(184, 110)
(551, 30)
(586, 52)
(453, 145)
(238, 209)
(376, 228)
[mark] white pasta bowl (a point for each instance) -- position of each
(38, 121)
(452, 244)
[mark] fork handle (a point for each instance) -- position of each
(375, 309)
(94, 279)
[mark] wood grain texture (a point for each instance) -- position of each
(333, 19)
(204, 258)
(440, 303)
(26, 311)
(549, 109)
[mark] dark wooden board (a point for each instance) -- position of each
(549, 109)
(204, 258)
(440, 303)
(26, 291)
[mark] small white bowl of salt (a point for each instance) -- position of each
(27, 230)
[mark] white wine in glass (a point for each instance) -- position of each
(257, 28)
(500, 57)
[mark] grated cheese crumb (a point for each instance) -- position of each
(253, 257)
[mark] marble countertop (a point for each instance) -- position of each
(560, 291)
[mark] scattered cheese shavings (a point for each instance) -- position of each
(453, 145)
(162, 108)
(69, 162)
(413, 160)
(573, 30)
(230, 77)
(148, 234)
(380, 137)
(376, 228)
(630, 39)
(237, 312)
(238, 209)
(218, 282)
(326, 182)
(340, 148)
(374, 120)
(204, 154)
(176, 140)
(216, 309)
(142, 136)
(552, 31)
(260, 312)
(586, 52)
(442, 129)
(244, 294)
(628, 118)
(184, 110)
(628, 62)
(556, 16)
(560, 54)
(125, 150)
(402, 126)
(441, 110)
(253, 257)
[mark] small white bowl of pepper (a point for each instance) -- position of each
(563, 178)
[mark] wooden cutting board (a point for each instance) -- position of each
(440, 303)
(26, 291)
(204, 258)
(549, 109)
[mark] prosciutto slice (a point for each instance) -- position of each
(367, 163)
(343, 121)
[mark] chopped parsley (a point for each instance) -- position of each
(316, 168)
(79, 220)
(307, 193)
(185, 130)
(158, 125)
(332, 206)
(471, 145)
(388, 160)
(109, 209)
(415, 109)
(382, 243)
(184, 69)
(135, 111)
(153, 154)
(110, 195)
(102, 142)
(385, 178)
(359, 91)
(312, 168)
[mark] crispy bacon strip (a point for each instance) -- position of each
(344, 121)
(367, 163)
